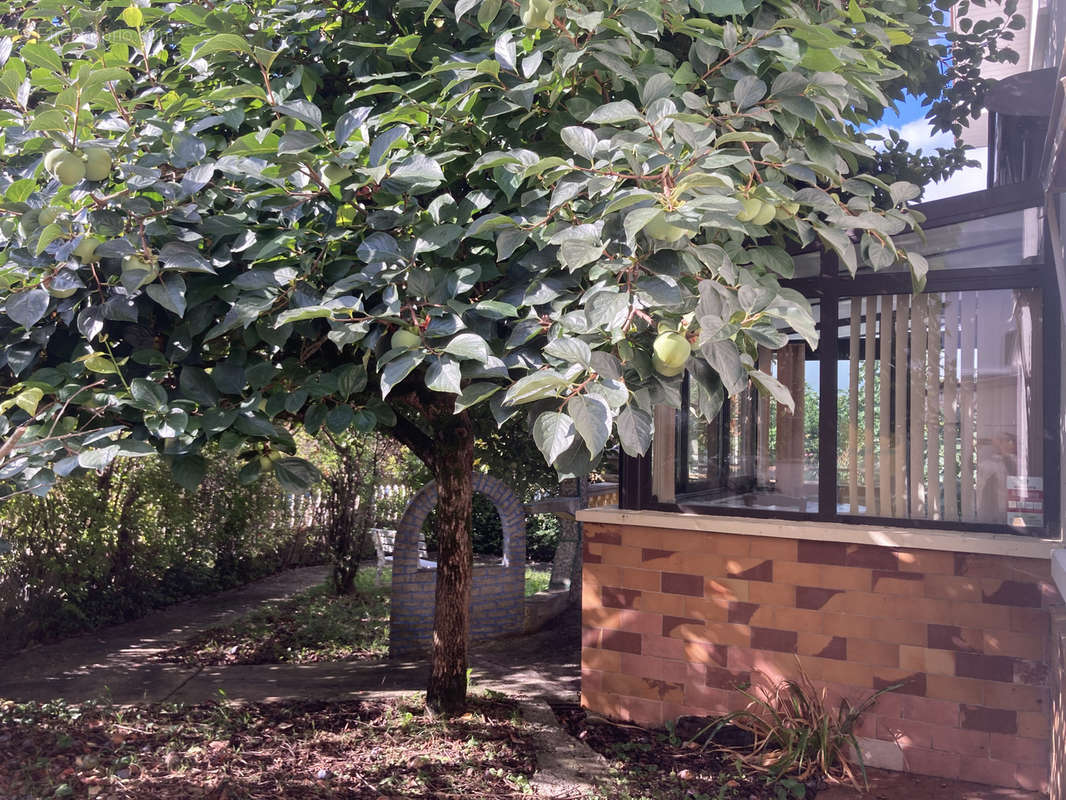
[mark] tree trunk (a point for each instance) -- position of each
(452, 464)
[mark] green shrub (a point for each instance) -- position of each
(106, 547)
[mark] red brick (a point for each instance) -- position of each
(773, 594)
(776, 549)
(932, 762)
(985, 667)
(867, 651)
(931, 562)
(828, 577)
(965, 590)
(607, 660)
(615, 597)
(750, 569)
(815, 552)
(741, 613)
(1011, 593)
(671, 625)
(1016, 696)
(959, 690)
(992, 720)
(638, 710)
(651, 554)
(646, 688)
(1034, 725)
(871, 557)
(905, 732)
(590, 637)
(651, 667)
(726, 679)
(1020, 750)
(772, 639)
(926, 709)
(906, 683)
(1030, 620)
(600, 535)
(680, 583)
(888, 582)
(980, 615)
(591, 679)
(965, 743)
(623, 641)
(951, 637)
(646, 580)
(814, 597)
(664, 647)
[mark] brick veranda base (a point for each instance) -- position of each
(675, 621)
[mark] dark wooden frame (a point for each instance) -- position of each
(635, 486)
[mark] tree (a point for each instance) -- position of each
(226, 219)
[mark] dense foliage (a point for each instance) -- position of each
(106, 548)
(226, 219)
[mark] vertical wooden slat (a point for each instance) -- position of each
(790, 371)
(951, 406)
(854, 343)
(968, 348)
(932, 408)
(663, 453)
(903, 304)
(915, 477)
(884, 430)
(762, 460)
(870, 493)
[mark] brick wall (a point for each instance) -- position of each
(497, 595)
(675, 621)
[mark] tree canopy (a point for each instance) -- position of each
(225, 219)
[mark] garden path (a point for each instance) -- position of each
(115, 663)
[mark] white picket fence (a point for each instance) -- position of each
(390, 500)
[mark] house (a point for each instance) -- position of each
(901, 526)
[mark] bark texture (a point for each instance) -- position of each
(448, 451)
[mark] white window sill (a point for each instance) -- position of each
(948, 540)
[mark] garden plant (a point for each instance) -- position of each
(226, 220)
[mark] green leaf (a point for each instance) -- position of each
(48, 235)
(195, 384)
(613, 113)
(189, 471)
(553, 433)
(41, 55)
(398, 369)
(634, 430)
(592, 418)
(221, 43)
(27, 308)
(443, 374)
(132, 16)
(148, 395)
(351, 379)
(296, 475)
(773, 387)
(469, 346)
(474, 394)
(28, 399)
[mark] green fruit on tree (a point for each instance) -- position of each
(751, 206)
(335, 173)
(53, 157)
(48, 215)
(69, 169)
(670, 353)
(766, 213)
(136, 272)
(537, 13)
(265, 463)
(86, 250)
(275, 455)
(97, 163)
(405, 339)
(658, 228)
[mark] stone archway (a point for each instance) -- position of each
(497, 595)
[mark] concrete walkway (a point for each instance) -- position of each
(113, 663)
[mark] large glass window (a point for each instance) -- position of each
(928, 409)
(940, 407)
(756, 453)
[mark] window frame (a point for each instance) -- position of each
(829, 287)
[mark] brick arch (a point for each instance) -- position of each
(497, 596)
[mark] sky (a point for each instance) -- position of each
(910, 121)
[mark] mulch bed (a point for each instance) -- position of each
(264, 751)
(668, 765)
